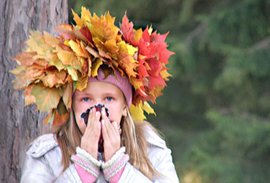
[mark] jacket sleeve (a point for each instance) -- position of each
(160, 157)
(43, 164)
(39, 170)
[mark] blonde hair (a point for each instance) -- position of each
(133, 138)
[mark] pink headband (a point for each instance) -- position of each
(121, 82)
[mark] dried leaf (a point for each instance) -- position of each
(78, 49)
(137, 113)
(46, 98)
(67, 96)
(95, 67)
(147, 108)
(60, 119)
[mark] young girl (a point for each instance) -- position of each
(95, 79)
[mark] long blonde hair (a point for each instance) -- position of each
(133, 138)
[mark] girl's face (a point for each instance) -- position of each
(99, 92)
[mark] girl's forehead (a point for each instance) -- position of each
(100, 87)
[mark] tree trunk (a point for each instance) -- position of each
(19, 125)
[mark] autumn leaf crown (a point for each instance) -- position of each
(52, 67)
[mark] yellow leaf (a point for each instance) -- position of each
(73, 73)
(138, 35)
(86, 14)
(131, 49)
(51, 40)
(150, 30)
(147, 108)
(77, 49)
(46, 98)
(95, 67)
(82, 83)
(136, 83)
(111, 46)
(68, 58)
(103, 28)
(36, 43)
(77, 19)
(137, 113)
(54, 61)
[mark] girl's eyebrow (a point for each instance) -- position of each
(83, 94)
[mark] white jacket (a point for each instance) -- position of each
(43, 163)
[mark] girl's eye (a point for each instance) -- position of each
(85, 99)
(109, 98)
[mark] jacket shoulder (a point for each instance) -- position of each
(42, 145)
(153, 138)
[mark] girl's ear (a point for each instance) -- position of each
(124, 111)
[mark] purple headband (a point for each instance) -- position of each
(121, 82)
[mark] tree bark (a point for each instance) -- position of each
(19, 125)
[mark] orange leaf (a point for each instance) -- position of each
(59, 119)
(25, 58)
(54, 78)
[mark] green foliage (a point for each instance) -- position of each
(235, 149)
(215, 110)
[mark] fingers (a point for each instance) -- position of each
(93, 127)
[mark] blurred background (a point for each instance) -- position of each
(214, 114)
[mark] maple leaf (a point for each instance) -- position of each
(104, 34)
(73, 73)
(46, 98)
(60, 119)
(78, 48)
(81, 84)
(54, 78)
(137, 113)
(26, 75)
(125, 58)
(85, 35)
(66, 31)
(103, 27)
(67, 96)
(25, 58)
(55, 118)
(68, 58)
(86, 14)
(36, 43)
(77, 19)
(95, 67)
(130, 35)
(28, 98)
(164, 73)
(147, 108)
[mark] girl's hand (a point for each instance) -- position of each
(111, 136)
(90, 138)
